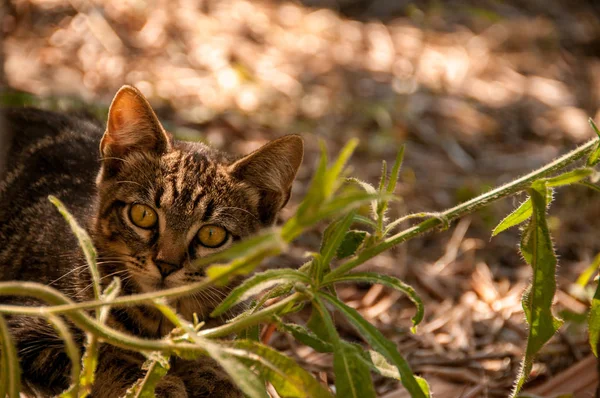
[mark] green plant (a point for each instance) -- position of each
(349, 240)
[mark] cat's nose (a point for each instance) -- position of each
(166, 268)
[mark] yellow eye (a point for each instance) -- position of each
(143, 216)
(212, 236)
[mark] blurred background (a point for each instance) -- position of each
(479, 91)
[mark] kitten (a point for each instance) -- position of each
(152, 205)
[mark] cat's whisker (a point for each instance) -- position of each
(68, 273)
(100, 280)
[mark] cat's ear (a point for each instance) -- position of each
(132, 126)
(272, 169)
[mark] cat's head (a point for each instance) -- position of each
(164, 203)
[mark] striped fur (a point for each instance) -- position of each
(188, 185)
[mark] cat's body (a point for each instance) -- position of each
(151, 205)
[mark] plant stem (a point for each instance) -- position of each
(88, 324)
(114, 337)
(469, 206)
(252, 319)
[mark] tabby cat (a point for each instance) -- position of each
(152, 205)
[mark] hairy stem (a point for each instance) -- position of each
(467, 207)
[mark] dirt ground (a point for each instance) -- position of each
(480, 91)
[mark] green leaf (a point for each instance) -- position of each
(243, 377)
(382, 345)
(332, 179)
(379, 364)
(351, 243)
(85, 242)
(520, 214)
(288, 378)
(315, 193)
(220, 274)
(365, 220)
(594, 157)
(332, 239)
(257, 284)
(594, 321)
(382, 180)
(373, 359)
(354, 373)
(250, 333)
(156, 368)
(317, 325)
(591, 186)
(341, 205)
(305, 336)
(537, 249)
(396, 171)
(382, 204)
(10, 363)
(370, 189)
(587, 274)
(569, 177)
(391, 282)
(352, 376)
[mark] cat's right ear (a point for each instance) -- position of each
(132, 127)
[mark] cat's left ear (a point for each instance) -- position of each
(132, 127)
(272, 169)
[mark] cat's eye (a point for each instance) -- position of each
(212, 236)
(142, 216)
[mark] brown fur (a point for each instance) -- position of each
(187, 184)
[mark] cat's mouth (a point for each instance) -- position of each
(149, 281)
